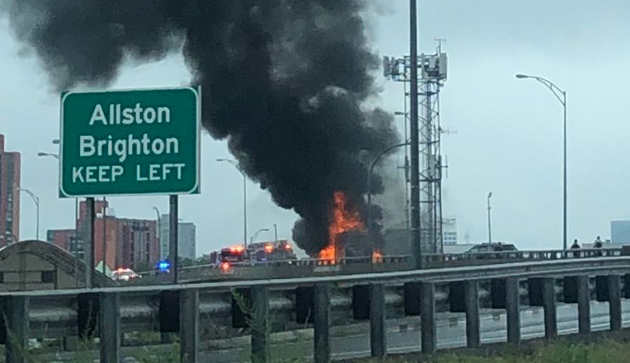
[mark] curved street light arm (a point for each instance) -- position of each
(553, 88)
(234, 164)
(257, 233)
(31, 194)
(369, 178)
(36, 200)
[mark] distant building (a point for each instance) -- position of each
(9, 195)
(61, 237)
(137, 244)
(186, 236)
(129, 243)
(449, 231)
(620, 232)
(67, 239)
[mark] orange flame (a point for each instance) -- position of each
(343, 220)
(377, 256)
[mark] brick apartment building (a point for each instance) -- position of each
(9, 195)
(129, 243)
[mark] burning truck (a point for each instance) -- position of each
(348, 236)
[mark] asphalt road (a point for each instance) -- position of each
(451, 333)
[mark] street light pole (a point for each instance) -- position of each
(405, 114)
(36, 201)
(369, 179)
(238, 167)
(76, 216)
(257, 233)
(159, 231)
(489, 219)
(562, 98)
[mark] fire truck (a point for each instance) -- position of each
(256, 252)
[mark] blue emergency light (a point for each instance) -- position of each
(164, 266)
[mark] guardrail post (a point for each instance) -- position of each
(378, 334)
(457, 296)
(614, 287)
(473, 337)
(584, 304)
(412, 298)
(512, 298)
(601, 288)
(189, 325)
(626, 286)
(260, 324)
(109, 327)
(427, 317)
(17, 328)
(570, 289)
(497, 293)
(549, 305)
(321, 312)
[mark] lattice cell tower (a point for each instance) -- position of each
(432, 73)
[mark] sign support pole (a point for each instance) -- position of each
(90, 245)
(173, 235)
(104, 247)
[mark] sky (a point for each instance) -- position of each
(507, 133)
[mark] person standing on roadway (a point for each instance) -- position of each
(598, 245)
(575, 246)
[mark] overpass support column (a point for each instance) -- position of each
(17, 328)
(378, 329)
(321, 312)
(614, 288)
(189, 326)
(260, 324)
(512, 302)
(427, 317)
(473, 338)
(549, 306)
(109, 327)
(584, 304)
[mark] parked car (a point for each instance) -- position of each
(488, 250)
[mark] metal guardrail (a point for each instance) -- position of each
(64, 312)
(526, 255)
(431, 260)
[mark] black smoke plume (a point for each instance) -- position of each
(285, 81)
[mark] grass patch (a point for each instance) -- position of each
(606, 351)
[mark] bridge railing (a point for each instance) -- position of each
(525, 255)
(446, 257)
(107, 312)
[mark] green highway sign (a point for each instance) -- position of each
(134, 142)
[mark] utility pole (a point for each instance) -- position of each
(416, 243)
(489, 219)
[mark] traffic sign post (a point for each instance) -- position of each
(136, 142)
